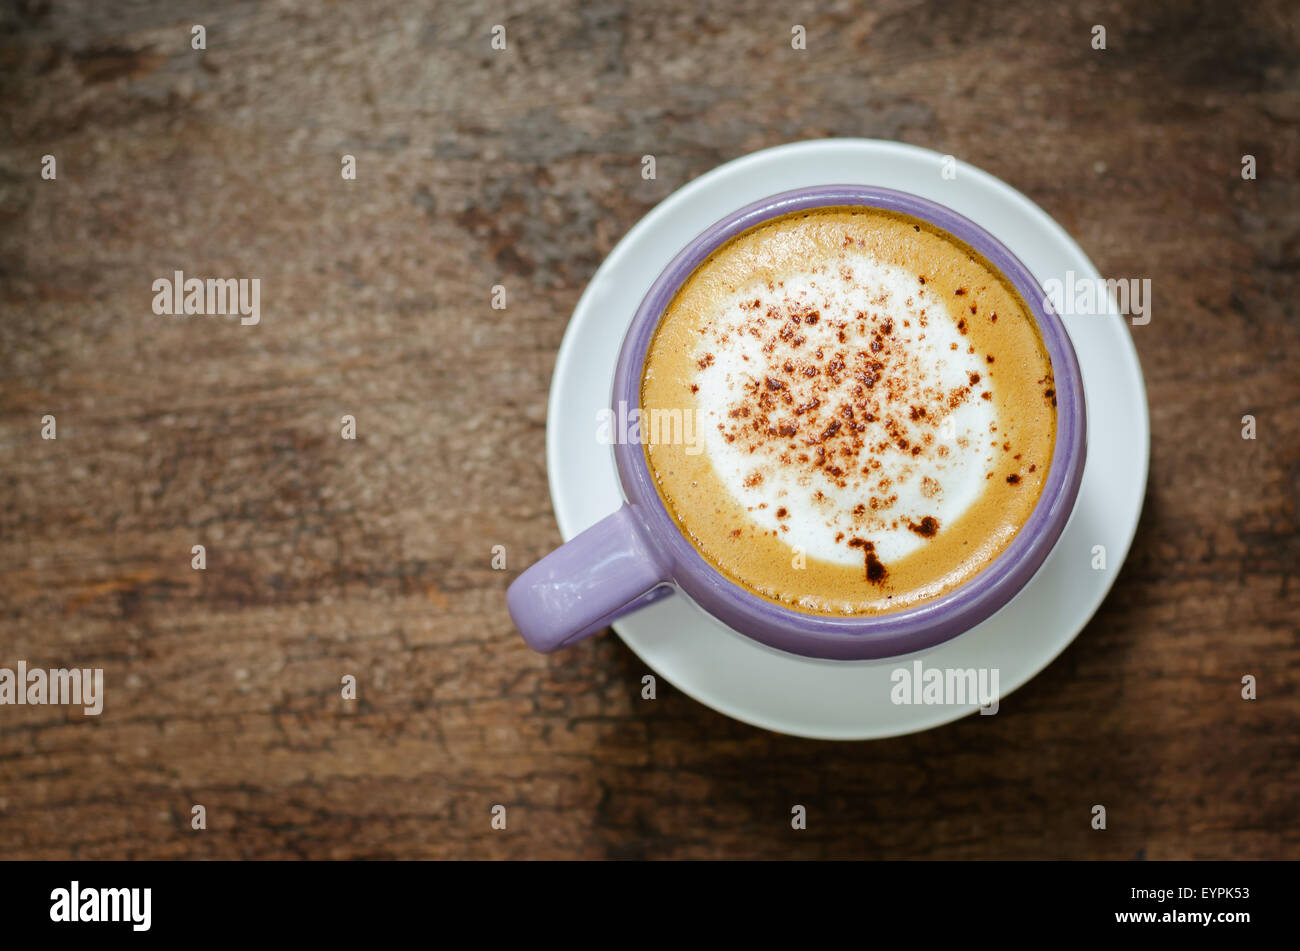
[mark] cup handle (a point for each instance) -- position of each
(587, 583)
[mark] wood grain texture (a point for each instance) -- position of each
(328, 557)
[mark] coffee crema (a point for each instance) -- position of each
(875, 403)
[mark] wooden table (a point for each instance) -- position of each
(371, 557)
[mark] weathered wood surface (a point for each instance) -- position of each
(328, 557)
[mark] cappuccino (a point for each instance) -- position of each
(875, 408)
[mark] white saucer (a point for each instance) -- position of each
(839, 699)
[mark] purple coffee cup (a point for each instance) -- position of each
(637, 554)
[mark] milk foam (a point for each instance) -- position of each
(855, 333)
